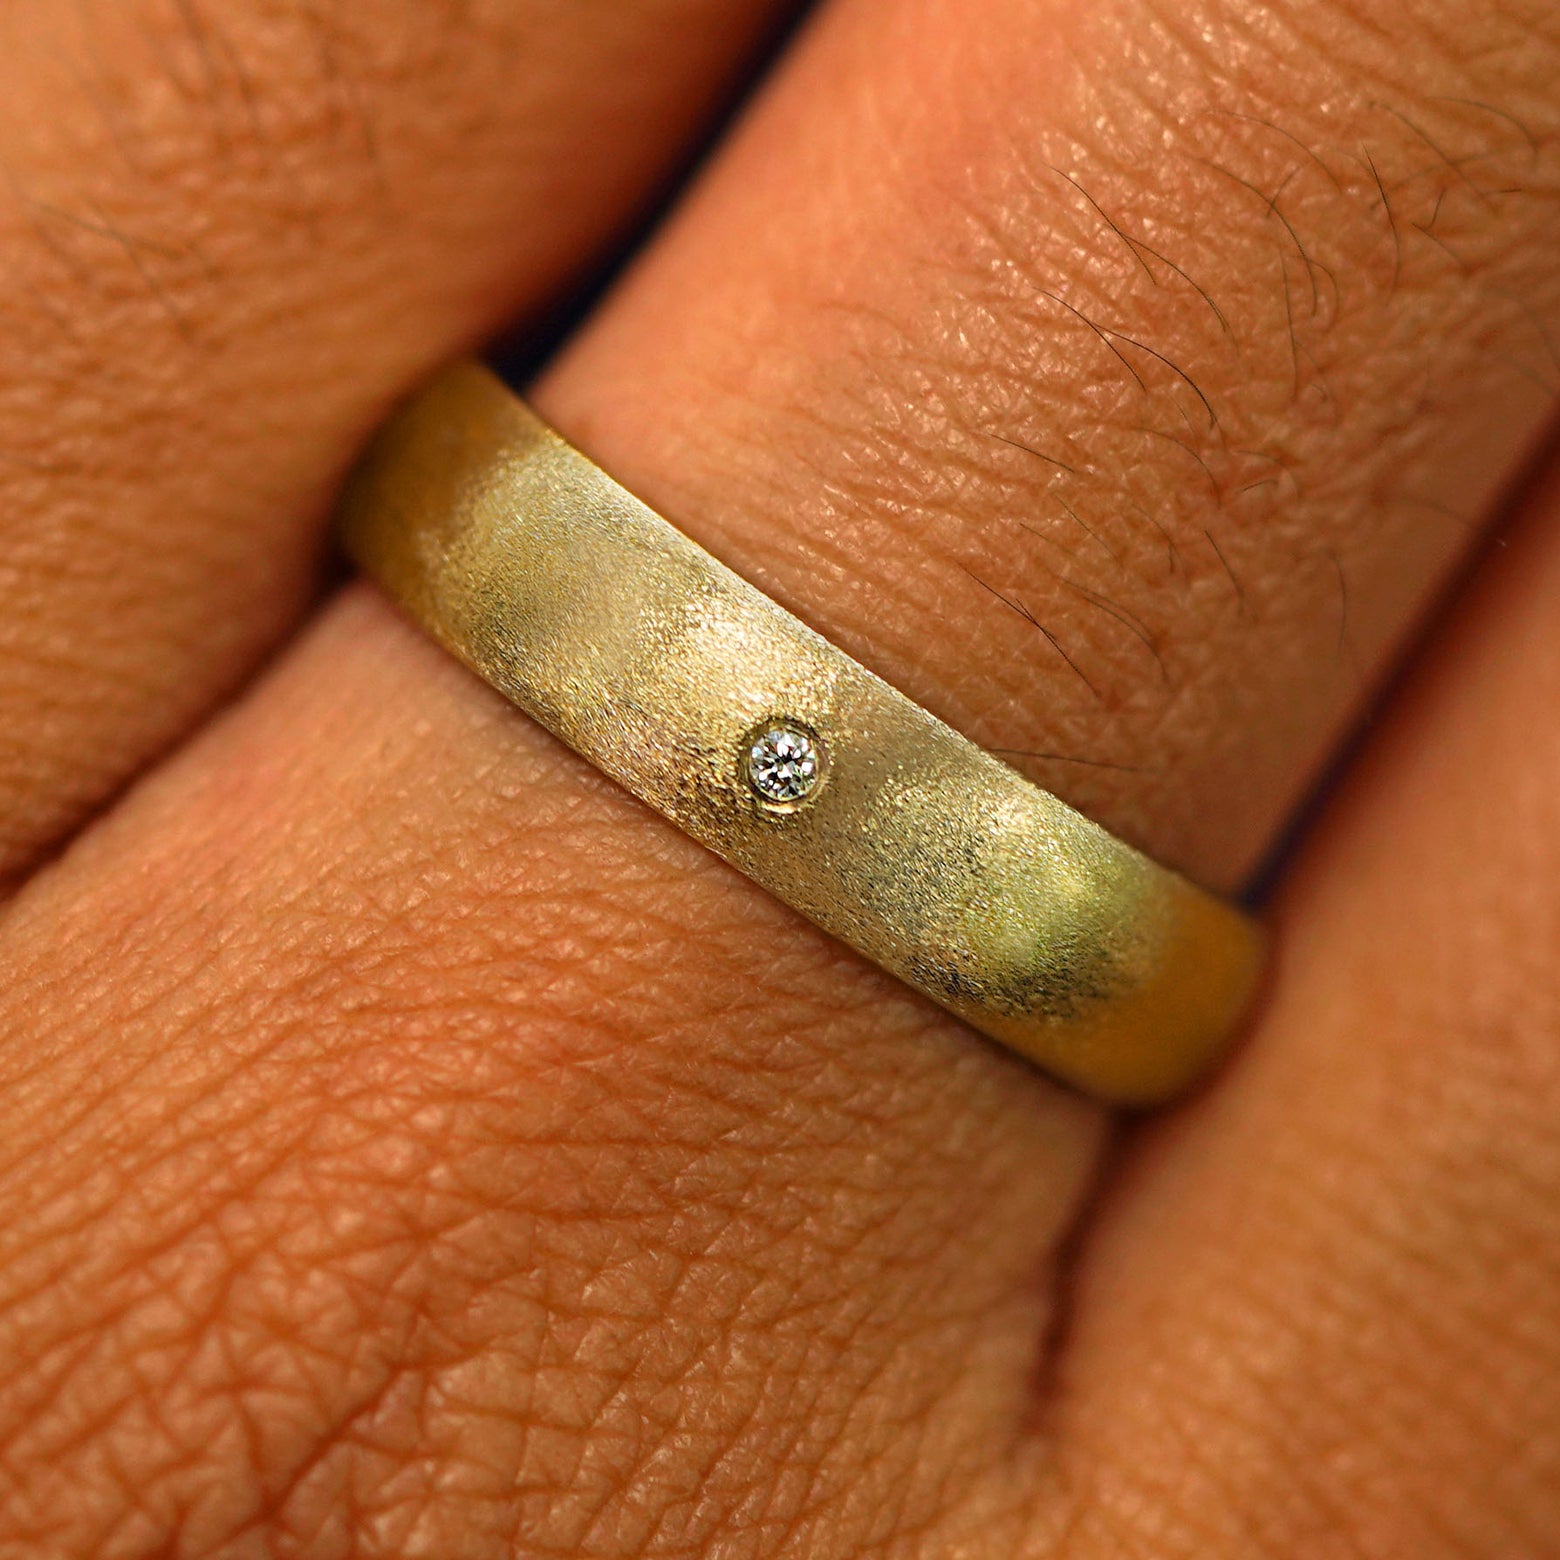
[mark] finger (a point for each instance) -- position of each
(633, 1214)
(1324, 1299)
(1127, 434)
(569, 1207)
(235, 235)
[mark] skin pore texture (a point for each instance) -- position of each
(410, 1147)
(234, 235)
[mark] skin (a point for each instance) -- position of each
(234, 241)
(411, 1147)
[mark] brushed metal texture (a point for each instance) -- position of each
(657, 663)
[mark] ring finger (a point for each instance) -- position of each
(594, 1199)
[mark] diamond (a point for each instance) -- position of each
(784, 763)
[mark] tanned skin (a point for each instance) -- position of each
(411, 1147)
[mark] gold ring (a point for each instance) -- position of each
(835, 792)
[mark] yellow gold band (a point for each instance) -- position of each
(763, 741)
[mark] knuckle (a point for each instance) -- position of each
(445, 1222)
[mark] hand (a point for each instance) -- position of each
(412, 1147)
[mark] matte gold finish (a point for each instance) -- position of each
(659, 665)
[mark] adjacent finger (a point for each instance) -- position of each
(1324, 1298)
(235, 234)
(534, 1182)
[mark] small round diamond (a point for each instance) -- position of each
(783, 763)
